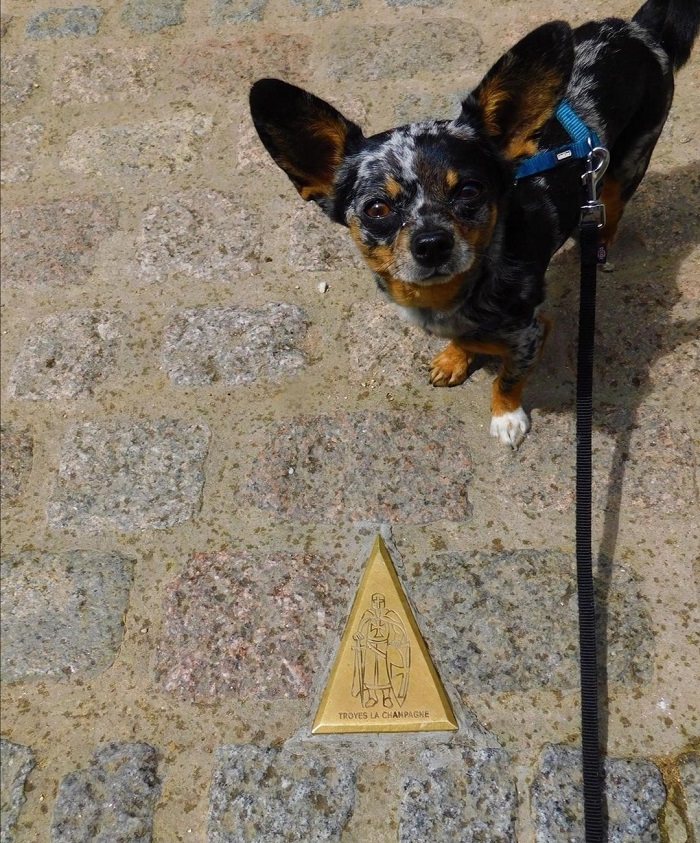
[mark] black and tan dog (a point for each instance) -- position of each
(436, 209)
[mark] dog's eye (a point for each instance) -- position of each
(469, 191)
(377, 209)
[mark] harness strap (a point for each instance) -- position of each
(582, 141)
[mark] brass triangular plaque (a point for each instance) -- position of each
(383, 679)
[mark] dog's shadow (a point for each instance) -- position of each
(639, 322)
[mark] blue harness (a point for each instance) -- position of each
(582, 141)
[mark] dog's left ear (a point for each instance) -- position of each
(520, 92)
(306, 137)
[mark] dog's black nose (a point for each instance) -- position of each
(431, 248)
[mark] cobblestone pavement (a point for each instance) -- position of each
(208, 415)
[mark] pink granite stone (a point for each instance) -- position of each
(249, 625)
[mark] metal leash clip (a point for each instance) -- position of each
(596, 164)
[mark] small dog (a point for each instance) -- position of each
(454, 236)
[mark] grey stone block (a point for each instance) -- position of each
(54, 243)
(237, 11)
(170, 145)
(634, 793)
(234, 346)
(419, 3)
(66, 355)
(247, 625)
(510, 624)
(19, 143)
(399, 466)
(112, 800)
(106, 75)
(689, 770)
(320, 8)
(58, 23)
(16, 762)
(19, 78)
(128, 475)
(317, 244)
(384, 349)
(459, 796)
(415, 106)
(62, 613)
(152, 15)
(200, 234)
(225, 67)
(16, 449)
(271, 794)
(647, 455)
(447, 47)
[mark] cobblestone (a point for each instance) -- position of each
(491, 615)
(16, 763)
(363, 466)
(112, 799)
(54, 244)
(237, 11)
(317, 244)
(106, 75)
(225, 66)
(318, 8)
(18, 78)
(234, 346)
(272, 794)
(153, 146)
(634, 793)
(129, 475)
(416, 106)
(270, 608)
(42, 595)
(419, 3)
(19, 144)
(649, 455)
(202, 235)
(152, 15)
(458, 796)
(689, 769)
(80, 21)
(370, 52)
(384, 350)
(16, 447)
(66, 355)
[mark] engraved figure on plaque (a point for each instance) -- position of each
(382, 657)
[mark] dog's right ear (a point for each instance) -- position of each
(305, 136)
(521, 91)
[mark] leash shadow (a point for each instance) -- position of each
(640, 321)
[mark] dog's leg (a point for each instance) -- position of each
(449, 367)
(611, 197)
(509, 422)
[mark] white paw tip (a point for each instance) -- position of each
(510, 428)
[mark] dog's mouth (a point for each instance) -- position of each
(437, 292)
(408, 269)
(429, 276)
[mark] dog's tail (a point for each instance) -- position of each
(674, 24)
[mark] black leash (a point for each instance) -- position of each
(592, 218)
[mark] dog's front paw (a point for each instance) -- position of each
(449, 367)
(510, 428)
